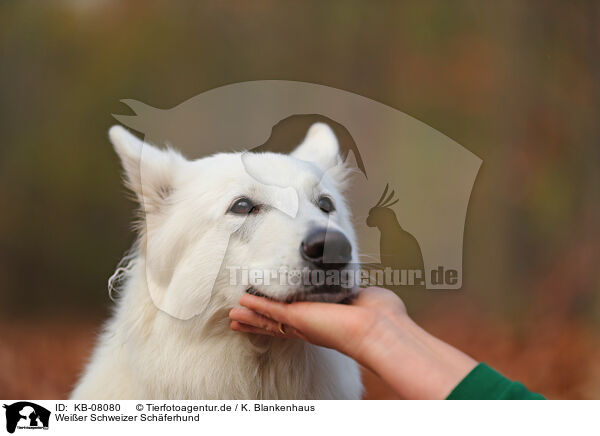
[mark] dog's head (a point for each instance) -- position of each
(265, 223)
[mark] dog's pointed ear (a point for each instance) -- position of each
(320, 147)
(149, 171)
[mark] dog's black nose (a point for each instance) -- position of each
(328, 248)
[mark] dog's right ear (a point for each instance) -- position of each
(149, 171)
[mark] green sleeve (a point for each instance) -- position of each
(484, 383)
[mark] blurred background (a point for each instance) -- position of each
(517, 83)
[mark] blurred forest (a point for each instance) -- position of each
(515, 82)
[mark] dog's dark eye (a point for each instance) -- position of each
(243, 206)
(325, 204)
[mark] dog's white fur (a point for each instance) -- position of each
(169, 337)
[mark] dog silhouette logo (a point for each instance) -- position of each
(26, 415)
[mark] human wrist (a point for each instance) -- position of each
(383, 336)
(413, 362)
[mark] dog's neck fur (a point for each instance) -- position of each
(145, 353)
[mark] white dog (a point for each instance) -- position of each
(169, 337)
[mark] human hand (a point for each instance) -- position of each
(344, 327)
(375, 330)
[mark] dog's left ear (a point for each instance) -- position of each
(321, 147)
(149, 171)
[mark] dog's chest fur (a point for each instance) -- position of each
(146, 354)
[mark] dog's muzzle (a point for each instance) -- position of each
(325, 251)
